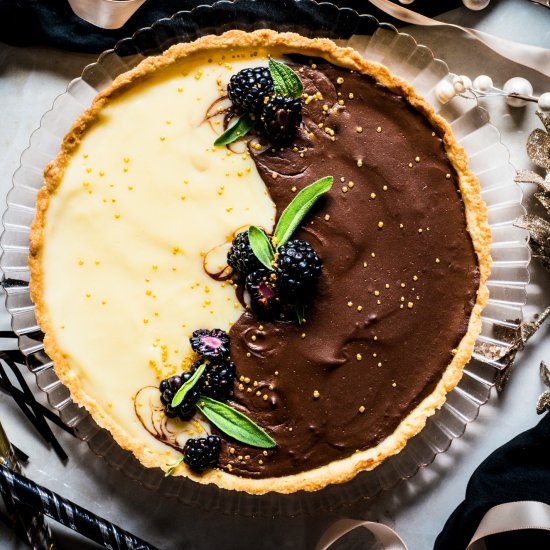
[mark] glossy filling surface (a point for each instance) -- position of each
(397, 288)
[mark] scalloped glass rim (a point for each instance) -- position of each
(489, 159)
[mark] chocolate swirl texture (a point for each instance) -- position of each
(398, 285)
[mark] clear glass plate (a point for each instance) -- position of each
(489, 159)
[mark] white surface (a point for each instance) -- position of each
(31, 78)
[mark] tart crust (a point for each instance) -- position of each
(341, 470)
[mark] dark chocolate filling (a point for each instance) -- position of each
(398, 284)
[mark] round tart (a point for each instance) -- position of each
(130, 276)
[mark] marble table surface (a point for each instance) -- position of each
(31, 78)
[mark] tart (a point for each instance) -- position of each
(138, 212)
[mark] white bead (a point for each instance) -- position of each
(517, 85)
(476, 5)
(483, 83)
(544, 102)
(466, 80)
(444, 91)
(406, 1)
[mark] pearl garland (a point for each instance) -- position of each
(483, 86)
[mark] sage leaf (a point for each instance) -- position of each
(234, 423)
(244, 124)
(301, 204)
(285, 80)
(182, 392)
(173, 466)
(261, 246)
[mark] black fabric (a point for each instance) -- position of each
(519, 470)
(52, 22)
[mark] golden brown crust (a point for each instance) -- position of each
(476, 216)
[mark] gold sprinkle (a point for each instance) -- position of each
(260, 462)
(416, 159)
(373, 195)
(410, 305)
(377, 293)
(350, 304)
(303, 335)
(448, 176)
(359, 163)
(339, 80)
(361, 409)
(380, 225)
(253, 337)
(420, 230)
(359, 308)
(350, 95)
(437, 260)
(345, 189)
(351, 184)
(327, 217)
(379, 129)
(258, 393)
(274, 175)
(293, 189)
(359, 357)
(359, 129)
(316, 394)
(410, 164)
(340, 102)
(379, 364)
(265, 397)
(394, 385)
(415, 278)
(403, 285)
(365, 264)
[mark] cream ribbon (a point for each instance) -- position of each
(534, 57)
(510, 516)
(107, 14)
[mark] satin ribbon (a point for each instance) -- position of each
(107, 14)
(534, 57)
(510, 516)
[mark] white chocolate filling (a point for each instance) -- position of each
(144, 197)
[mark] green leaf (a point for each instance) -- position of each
(182, 392)
(285, 80)
(261, 246)
(244, 124)
(300, 310)
(301, 204)
(173, 466)
(234, 423)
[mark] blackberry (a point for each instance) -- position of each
(262, 287)
(240, 257)
(280, 118)
(170, 386)
(210, 344)
(248, 88)
(218, 378)
(201, 454)
(298, 269)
